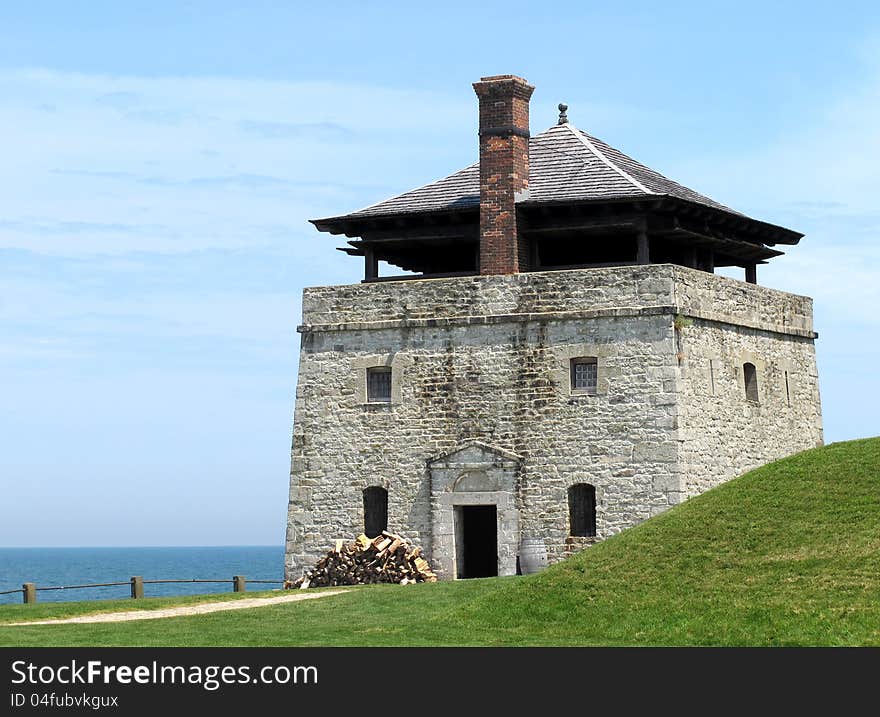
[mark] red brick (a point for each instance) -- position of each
(504, 170)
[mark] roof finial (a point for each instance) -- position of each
(563, 118)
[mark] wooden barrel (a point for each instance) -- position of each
(532, 555)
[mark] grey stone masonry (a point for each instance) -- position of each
(482, 410)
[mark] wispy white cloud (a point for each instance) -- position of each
(38, 226)
(197, 160)
(821, 178)
(296, 130)
(827, 159)
(118, 99)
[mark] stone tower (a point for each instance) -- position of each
(561, 363)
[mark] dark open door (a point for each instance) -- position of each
(478, 531)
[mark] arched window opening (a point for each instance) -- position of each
(582, 510)
(375, 510)
(750, 379)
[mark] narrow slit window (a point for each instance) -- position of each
(711, 377)
(582, 510)
(750, 379)
(787, 390)
(375, 510)
(379, 384)
(584, 375)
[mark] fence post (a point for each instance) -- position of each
(238, 583)
(137, 587)
(29, 591)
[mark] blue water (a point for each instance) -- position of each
(48, 567)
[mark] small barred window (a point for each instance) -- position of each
(584, 375)
(379, 384)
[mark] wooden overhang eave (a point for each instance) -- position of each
(353, 225)
(459, 222)
(764, 232)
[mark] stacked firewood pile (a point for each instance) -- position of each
(387, 558)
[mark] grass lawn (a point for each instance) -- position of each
(788, 554)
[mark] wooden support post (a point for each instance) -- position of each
(643, 250)
(751, 273)
(371, 265)
(533, 256)
(29, 593)
(137, 588)
(709, 261)
(238, 584)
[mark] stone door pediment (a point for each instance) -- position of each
(475, 473)
(476, 453)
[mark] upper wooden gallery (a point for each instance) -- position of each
(560, 199)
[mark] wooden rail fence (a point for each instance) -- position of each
(137, 582)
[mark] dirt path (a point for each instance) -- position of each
(182, 610)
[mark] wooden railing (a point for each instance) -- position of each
(29, 590)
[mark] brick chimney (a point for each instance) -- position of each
(504, 170)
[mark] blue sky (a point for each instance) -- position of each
(160, 161)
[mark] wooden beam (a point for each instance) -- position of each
(735, 247)
(751, 273)
(643, 247)
(424, 233)
(556, 225)
(371, 264)
(534, 256)
(706, 259)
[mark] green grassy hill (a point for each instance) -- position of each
(788, 554)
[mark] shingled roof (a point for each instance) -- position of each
(560, 199)
(565, 165)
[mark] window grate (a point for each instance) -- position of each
(584, 375)
(379, 384)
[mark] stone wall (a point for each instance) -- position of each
(574, 293)
(487, 298)
(722, 433)
(724, 300)
(486, 360)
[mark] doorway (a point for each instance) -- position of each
(476, 541)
